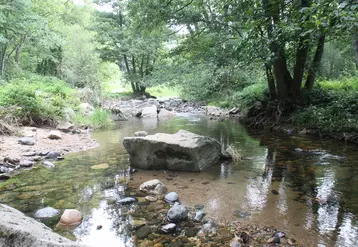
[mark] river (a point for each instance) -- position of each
(304, 186)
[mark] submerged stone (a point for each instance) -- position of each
(199, 215)
(70, 219)
(47, 212)
(48, 164)
(143, 232)
(177, 213)
(168, 228)
(154, 186)
(127, 200)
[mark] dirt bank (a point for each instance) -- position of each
(13, 154)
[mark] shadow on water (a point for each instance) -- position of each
(305, 186)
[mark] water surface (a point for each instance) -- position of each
(304, 186)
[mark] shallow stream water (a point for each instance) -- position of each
(304, 186)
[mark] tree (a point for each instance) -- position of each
(286, 37)
(18, 24)
(135, 50)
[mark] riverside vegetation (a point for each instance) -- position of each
(277, 62)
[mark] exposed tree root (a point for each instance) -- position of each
(268, 113)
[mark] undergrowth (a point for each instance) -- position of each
(99, 119)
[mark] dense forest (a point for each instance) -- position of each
(278, 61)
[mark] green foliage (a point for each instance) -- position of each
(332, 107)
(99, 119)
(38, 100)
(249, 95)
(80, 61)
(338, 59)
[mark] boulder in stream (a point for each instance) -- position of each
(182, 151)
(19, 230)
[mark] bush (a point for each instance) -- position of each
(100, 119)
(332, 106)
(38, 100)
(249, 95)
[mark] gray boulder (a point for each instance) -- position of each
(149, 112)
(27, 141)
(177, 213)
(16, 229)
(26, 163)
(54, 135)
(65, 126)
(52, 155)
(182, 151)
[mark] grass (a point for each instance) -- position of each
(100, 119)
(163, 91)
(120, 91)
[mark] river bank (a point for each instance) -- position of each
(261, 191)
(32, 146)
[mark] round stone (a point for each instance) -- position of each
(47, 212)
(171, 197)
(71, 218)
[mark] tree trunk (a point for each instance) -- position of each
(282, 76)
(299, 69)
(129, 72)
(270, 82)
(315, 63)
(356, 50)
(3, 60)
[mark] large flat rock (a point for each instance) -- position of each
(182, 151)
(18, 230)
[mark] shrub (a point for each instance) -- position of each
(249, 95)
(100, 119)
(332, 106)
(38, 100)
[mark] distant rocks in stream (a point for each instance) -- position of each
(163, 108)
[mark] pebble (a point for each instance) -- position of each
(275, 192)
(151, 198)
(127, 200)
(48, 164)
(198, 216)
(169, 228)
(171, 197)
(279, 234)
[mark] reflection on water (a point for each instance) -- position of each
(304, 186)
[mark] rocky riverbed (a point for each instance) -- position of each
(40, 146)
(160, 219)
